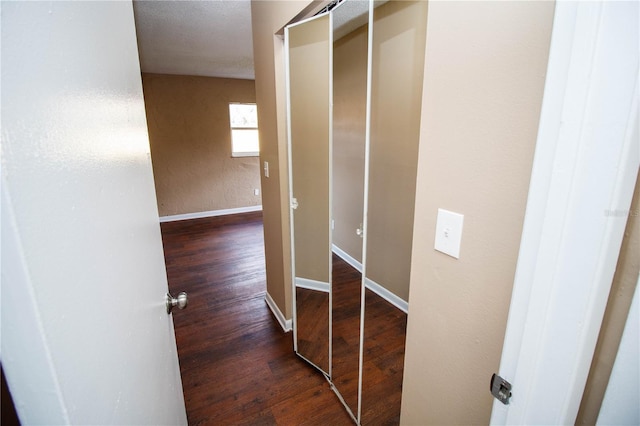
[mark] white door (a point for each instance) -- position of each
(584, 173)
(85, 335)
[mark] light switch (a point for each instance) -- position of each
(266, 169)
(449, 232)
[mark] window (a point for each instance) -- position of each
(244, 130)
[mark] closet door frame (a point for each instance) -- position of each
(365, 208)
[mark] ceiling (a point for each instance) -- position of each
(208, 37)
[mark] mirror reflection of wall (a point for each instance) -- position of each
(399, 33)
(350, 62)
(309, 75)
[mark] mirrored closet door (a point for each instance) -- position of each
(398, 45)
(354, 97)
(309, 50)
(350, 25)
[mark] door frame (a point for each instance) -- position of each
(584, 172)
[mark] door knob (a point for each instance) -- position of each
(180, 301)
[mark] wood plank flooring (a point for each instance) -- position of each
(384, 345)
(385, 328)
(346, 285)
(313, 326)
(237, 365)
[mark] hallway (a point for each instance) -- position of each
(237, 365)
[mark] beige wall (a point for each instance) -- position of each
(396, 94)
(309, 83)
(622, 290)
(349, 122)
(188, 121)
(484, 77)
(267, 19)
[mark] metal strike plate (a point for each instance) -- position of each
(500, 389)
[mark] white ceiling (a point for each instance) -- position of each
(207, 37)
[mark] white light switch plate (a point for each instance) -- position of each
(449, 232)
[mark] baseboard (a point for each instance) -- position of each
(346, 257)
(312, 285)
(370, 284)
(387, 295)
(284, 323)
(210, 213)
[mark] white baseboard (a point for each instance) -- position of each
(210, 213)
(370, 284)
(347, 258)
(312, 284)
(284, 323)
(387, 295)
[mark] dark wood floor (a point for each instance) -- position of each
(384, 343)
(237, 365)
(313, 326)
(346, 285)
(385, 328)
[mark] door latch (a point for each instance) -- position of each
(500, 389)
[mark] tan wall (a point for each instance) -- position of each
(623, 287)
(349, 115)
(396, 94)
(484, 77)
(188, 121)
(267, 19)
(309, 93)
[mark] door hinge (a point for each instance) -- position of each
(500, 389)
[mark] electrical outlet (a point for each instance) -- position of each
(256, 191)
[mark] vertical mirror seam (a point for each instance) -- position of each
(365, 222)
(330, 159)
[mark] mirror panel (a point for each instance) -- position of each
(349, 181)
(309, 76)
(350, 61)
(399, 31)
